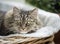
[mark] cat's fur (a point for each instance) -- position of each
(20, 21)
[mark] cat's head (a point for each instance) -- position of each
(25, 21)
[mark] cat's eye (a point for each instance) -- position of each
(32, 20)
(28, 22)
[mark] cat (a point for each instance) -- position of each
(21, 21)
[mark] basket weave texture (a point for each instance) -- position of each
(25, 40)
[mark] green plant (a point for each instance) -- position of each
(48, 5)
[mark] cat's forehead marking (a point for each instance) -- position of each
(24, 12)
(24, 15)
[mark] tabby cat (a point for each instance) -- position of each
(22, 21)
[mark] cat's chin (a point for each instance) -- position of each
(23, 32)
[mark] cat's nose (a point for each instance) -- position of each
(23, 28)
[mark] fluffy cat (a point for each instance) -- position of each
(20, 21)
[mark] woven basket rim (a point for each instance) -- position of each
(18, 39)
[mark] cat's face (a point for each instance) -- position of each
(24, 21)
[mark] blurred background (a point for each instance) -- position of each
(48, 5)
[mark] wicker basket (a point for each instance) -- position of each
(25, 40)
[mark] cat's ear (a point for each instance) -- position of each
(15, 10)
(34, 12)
